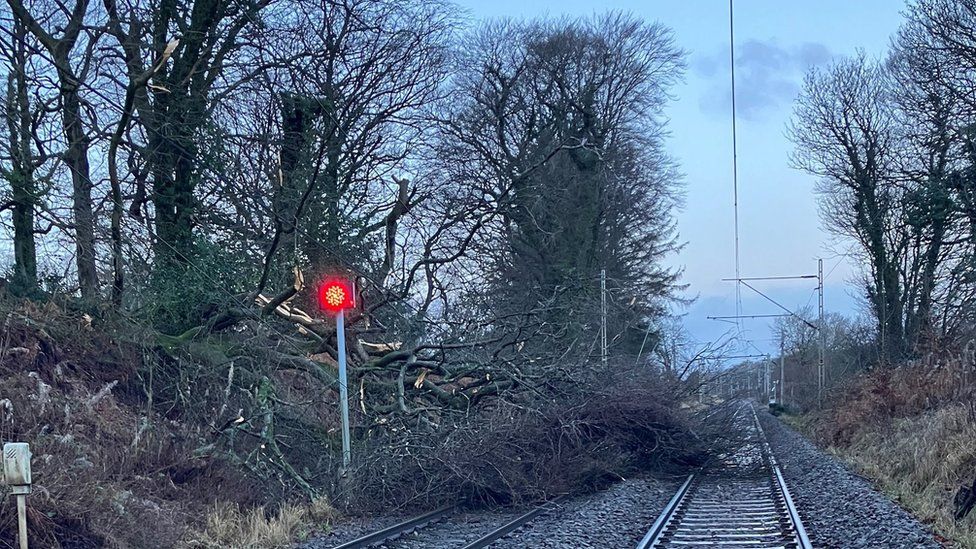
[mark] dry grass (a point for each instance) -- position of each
(802, 423)
(921, 461)
(912, 430)
(230, 526)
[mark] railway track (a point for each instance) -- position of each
(741, 501)
(388, 536)
(402, 528)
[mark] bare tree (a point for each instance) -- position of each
(845, 131)
(936, 50)
(70, 46)
(350, 93)
(174, 97)
(932, 119)
(558, 134)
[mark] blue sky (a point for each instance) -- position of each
(779, 228)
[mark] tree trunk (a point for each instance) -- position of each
(871, 214)
(933, 256)
(25, 253)
(174, 203)
(172, 161)
(21, 178)
(76, 157)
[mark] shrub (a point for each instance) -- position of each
(887, 392)
(777, 409)
(180, 296)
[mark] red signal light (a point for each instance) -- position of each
(337, 295)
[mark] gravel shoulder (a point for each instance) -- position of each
(616, 517)
(839, 508)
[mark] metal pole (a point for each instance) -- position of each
(343, 387)
(782, 369)
(769, 381)
(766, 381)
(22, 519)
(759, 383)
(603, 316)
(641, 351)
(821, 371)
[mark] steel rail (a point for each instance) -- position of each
(398, 529)
(665, 518)
(801, 533)
(515, 524)
(407, 526)
(697, 517)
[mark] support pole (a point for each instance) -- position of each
(343, 387)
(769, 381)
(782, 369)
(603, 316)
(759, 383)
(22, 519)
(821, 370)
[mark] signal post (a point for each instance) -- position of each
(335, 296)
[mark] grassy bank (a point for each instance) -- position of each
(921, 462)
(114, 451)
(918, 450)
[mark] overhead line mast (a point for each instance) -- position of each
(735, 169)
(739, 280)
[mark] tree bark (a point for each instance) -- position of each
(21, 177)
(76, 157)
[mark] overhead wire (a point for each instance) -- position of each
(831, 271)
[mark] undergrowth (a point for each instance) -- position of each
(920, 462)
(913, 433)
(117, 462)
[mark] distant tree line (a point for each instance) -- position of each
(894, 144)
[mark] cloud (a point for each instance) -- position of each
(767, 75)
